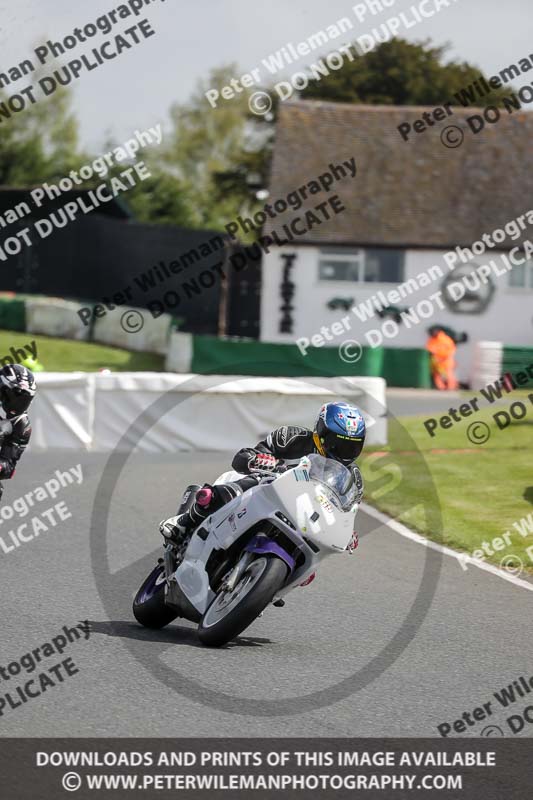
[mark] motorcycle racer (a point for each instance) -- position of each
(339, 433)
(17, 390)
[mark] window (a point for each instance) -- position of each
(362, 266)
(340, 266)
(383, 266)
(521, 276)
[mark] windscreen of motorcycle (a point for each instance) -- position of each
(313, 501)
(344, 490)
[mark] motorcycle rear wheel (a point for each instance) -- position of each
(231, 613)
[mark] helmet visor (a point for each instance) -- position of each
(16, 401)
(343, 448)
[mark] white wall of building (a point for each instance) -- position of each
(507, 318)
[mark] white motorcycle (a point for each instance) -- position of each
(254, 550)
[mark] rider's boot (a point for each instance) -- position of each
(178, 530)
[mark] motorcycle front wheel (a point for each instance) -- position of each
(231, 612)
(149, 606)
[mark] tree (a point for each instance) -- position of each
(160, 199)
(203, 177)
(39, 143)
(220, 154)
(398, 72)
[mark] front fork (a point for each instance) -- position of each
(238, 571)
(169, 560)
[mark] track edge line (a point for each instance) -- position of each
(464, 559)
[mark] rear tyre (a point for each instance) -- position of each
(231, 613)
(149, 603)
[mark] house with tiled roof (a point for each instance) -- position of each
(435, 226)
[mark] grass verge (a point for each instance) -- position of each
(485, 492)
(66, 355)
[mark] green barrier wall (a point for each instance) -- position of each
(12, 314)
(226, 357)
(402, 367)
(408, 367)
(516, 359)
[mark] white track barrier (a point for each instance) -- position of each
(200, 412)
(486, 363)
(180, 352)
(54, 317)
(62, 413)
(134, 329)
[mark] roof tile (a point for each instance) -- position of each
(417, 193)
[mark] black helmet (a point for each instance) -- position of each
(340, 432)
(17, 389)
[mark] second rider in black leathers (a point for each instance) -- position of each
(17, 390)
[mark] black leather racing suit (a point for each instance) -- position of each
(14, 437)
(289, 443)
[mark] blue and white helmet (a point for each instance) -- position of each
(340, 432)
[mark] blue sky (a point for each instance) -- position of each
(137, 89)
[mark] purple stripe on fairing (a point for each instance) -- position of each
(261, 544)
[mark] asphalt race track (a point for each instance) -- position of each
(294, 665)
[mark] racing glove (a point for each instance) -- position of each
(263, 461)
